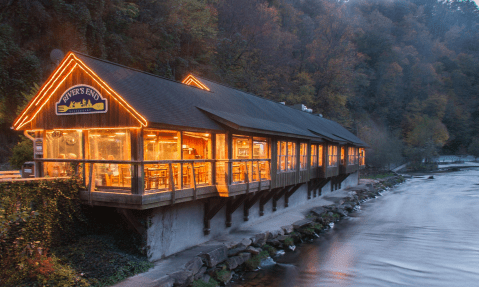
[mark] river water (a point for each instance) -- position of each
(424, 232)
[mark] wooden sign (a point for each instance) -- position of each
(81, 99)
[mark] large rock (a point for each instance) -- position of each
(165, 281)
(287, 229)
(274, 242)
(301, 223)
(194, 265)
(259, 239)
(246, 242)
(238, 249)
(182, 277)
(275, 233)
(253, 250)
(200, 273)
(342, 212)
(245, 256)
(234, 262)
(216, 255)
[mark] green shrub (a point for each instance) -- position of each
(288, 241)
(223, 275)
(317, 227)
(254, 262)
(21, 152)
(271, 250)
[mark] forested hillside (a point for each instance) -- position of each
(403, 75)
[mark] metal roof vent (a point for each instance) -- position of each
(320, 115)
(283, 103)
(303, 108)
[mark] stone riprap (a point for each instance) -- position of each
(217, 264)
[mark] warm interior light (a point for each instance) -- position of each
(120, 134)
(153, 135)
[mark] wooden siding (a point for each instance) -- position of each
(116, 116)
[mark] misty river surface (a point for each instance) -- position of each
(424, 232)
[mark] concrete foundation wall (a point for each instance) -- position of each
(178, 227)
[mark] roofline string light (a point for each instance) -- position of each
(190, 80)
(19, 124)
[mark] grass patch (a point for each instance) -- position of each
(271, 250)
(254, 262)
(288, 241)
(317, 227)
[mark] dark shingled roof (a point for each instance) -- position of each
(164, 101)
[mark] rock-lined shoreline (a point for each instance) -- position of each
(222, 263)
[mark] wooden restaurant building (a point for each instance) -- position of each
(193, 148)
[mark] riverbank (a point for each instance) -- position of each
(233, 256)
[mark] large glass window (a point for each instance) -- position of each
(303, 153)
(352, 155)
(197, 146)
(241, 150)
(320, 155)
(221, 153)
(332, 155)
(161, 145)
(112, 145)
(61, 144)
(291, 156)
(286, 156)
(314, 155)
(282, 156)
(362, 157)
(260, 151)
(343, 155)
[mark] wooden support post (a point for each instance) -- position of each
(231, 207)
(311, 185)
(193, 181)
(172, 184)
(210, 212)
(246, 178)
(265, 199)
(321, 184)
(278, 195)
(259, 176)
(288, 194)
(250, 201)
(90, 183)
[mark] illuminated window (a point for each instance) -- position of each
(291, 156)
(260, 148)
(286, 156)
(196, 145)
(314, 155)
(332, 155)
(303, 153)
(61, 144)
(282, 156)
(352, 155)
(161, 145)
(343, 151)
(362, 157)
(320, 155)
(112, 144)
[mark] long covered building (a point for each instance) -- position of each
(140, 141)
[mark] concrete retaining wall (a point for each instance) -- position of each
(178, 227)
